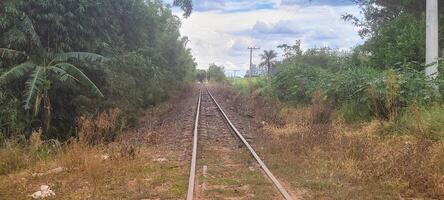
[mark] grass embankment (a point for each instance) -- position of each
(93, 167)
(314, 148)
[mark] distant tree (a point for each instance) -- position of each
(216, 73)
(268, 60)
(293, 50)
(201, 75)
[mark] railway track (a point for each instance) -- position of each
(214, 132)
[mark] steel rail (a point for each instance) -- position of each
(276, 183)
(194, 154)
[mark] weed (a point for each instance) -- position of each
(102, 128)
(321, 109)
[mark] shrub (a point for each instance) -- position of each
(102, 128)
(382, 94)
(353, 112)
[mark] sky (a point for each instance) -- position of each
(220, 31)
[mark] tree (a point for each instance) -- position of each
(185, 5)
(215, 73)
(394, 30)
(293, 50)
(147, 54)
(201, 75)
(42, 72)
(268, 60)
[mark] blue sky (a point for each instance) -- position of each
(221, 30)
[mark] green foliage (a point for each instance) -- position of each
(400, 40)
(252, 84)
(40, 75)
(11, 119)
(394, 30)
(268, 60)
(145, 55)
(186, 5)
(360, 93)
(354, 112)
(323, 57)
(201, 75)
(216, 73)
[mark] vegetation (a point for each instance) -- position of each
(362, 120)
(394, 30)
(39, 83)
(268, 60)
(145, 57)
(216, 73)
(201, 75)
(364, 123)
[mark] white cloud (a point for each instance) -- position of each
(222, 37)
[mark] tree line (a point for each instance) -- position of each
(60, 59)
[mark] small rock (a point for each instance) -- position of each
(45, 191)
(37, 195)
(55, 170)
(160, 159)
(44, 188)
(104, 157)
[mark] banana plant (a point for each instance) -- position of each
(41, 72)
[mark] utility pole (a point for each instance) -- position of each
(251, 58)
(432, 45)
(235, 72)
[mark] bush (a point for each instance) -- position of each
(216, 73)
(100, 129)
(353, 112)
(250, 85)
(11, 117)
(377, 93)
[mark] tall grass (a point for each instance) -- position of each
(93, 131)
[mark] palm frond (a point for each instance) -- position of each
(17, 72)
(63, 76)
(83, 56)
(10, 53)
(80, 77)
(33, 87)
(28, 28)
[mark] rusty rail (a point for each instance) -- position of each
(194, 154)
(191, 182)
(273, 179)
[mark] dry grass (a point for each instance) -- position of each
(101, 164)
(100, 129)
(316, 150)
(340, 162)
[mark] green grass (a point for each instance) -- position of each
(248, 85)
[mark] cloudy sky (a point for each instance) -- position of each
(220, 31)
